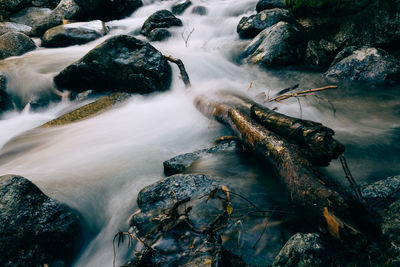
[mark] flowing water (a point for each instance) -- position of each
(97, 166)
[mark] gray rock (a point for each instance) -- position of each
(365, 64)
(35, 230)
(73, 34)
(180, 6)
(121, 63)
(159, 35)
(391, 233)
(249, 27)
(30, 16)
(8, 7)
(45, 3)
(160, 19)
(382, 189)
(5, 100)
(180, 163)
(303, 250)
(15, 44)
(14, 27)
(200, 10)
(279, 45)
(65, 10)
(109, 9)
(317, 55)
(269, 4)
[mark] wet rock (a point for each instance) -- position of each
(341, 8)
(317, 55)
(303, 250)
(180, 6)
(365, 64)
(5, 101)
(30, 16)
(120, 64)
(103, 104)
(282, 44)
(383, 189)
(11, 6)
(159, 35)
(45, 3)
(15, 44)
(200, 10)
(65, 10)
(391, 233)
(269, 4)
(107, 10)
(35, 230)
(160, 19)
(14, 27)
(249, 27)
(73, 34)
(180, 163)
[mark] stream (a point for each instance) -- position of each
(98, 166)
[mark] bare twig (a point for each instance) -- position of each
(181, 66)
(300, 94)
(186, 33)
(287, 90)
(350, 178)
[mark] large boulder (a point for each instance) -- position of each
(35, 230)
(364, 64)
(180, 6)
(158, 20)
(45, 3)
(391, 233)
(30, 16)
(269, 4)
(74, 33)
(5, 101)
(109, 9)
(15, 44)
(282, 44)
(8, 7)
(121, 63)
(382, 189)
(14, 27)
(65, 10)
(303, 250)
(249, 27)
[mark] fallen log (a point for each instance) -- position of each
(309, 192)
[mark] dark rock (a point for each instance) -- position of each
(365, 64)
(180, 163)
(121, 63)
(159, 35)
(199, 10)
(249, 27)
(45, 3)
(303, 250)
(282, 44)
(5, 101)
(14, 27)
(317, 55)
(382, 189)
(180, 6)
(74, 33)
(109, 9)
(391, 234)
(30, 16)
(66, 10)
(8, 7)
(35, 230)
(15, 44)
(160, 19)
(269, 4)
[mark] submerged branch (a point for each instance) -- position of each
(181, 66)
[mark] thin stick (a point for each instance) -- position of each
(184, 75)
(350, 178)
(301, 93)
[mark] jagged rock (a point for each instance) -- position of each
(391, 233)
(109, 9)
(35, 230)
(249, 27)
(15, 44)
(269, 4)
(303, 250)
(160, 19)
(121, 63)
(200, 10)
(180, 6)
(5, 101)
(279, 45)
(180, 163)
(365, 64)
(74, 33)
(382, 189)
(159, 35)
(30, 16)
(65, 10)
(14, 27)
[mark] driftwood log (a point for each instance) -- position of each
(309, 191)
